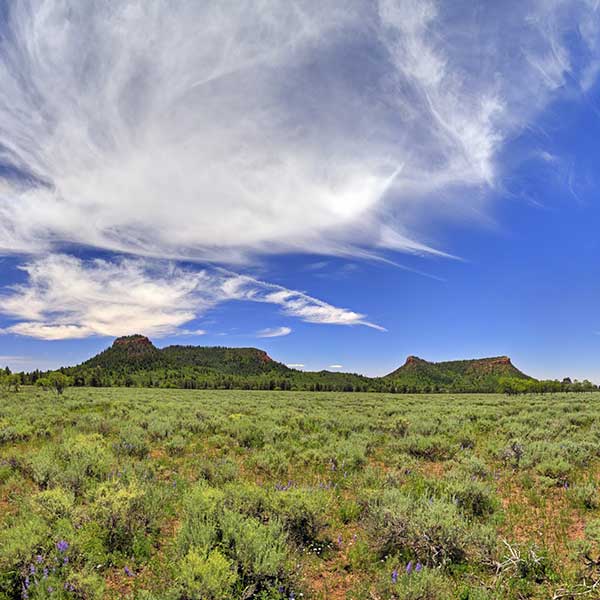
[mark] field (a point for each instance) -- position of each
(174, 494)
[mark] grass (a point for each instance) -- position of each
(175, 494)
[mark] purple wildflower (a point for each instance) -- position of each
(31, 569)
(128, 572)
(62, 546)
(395, 576)
(419, 567)
(45, 572)
(26, 582)
(50, 589)
(39, 558)
(409, 567)
(340, 542)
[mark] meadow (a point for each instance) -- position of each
(156, 494)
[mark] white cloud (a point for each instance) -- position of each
(335, 367)
(274, 332)
(65, 297)
(295, 365)
(217, 131)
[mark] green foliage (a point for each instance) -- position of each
(174, 495)
(431, 530)
(56, 381)
(210, 577)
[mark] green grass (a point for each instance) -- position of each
(175, 494)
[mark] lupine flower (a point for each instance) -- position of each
(26, 582)
(419, 567)
(409, 567)
(50, 589)
(62, 546)
(31, 569)
(128, 572)
(395, 576)
(39, 558)
(340, 541)
(45, 572)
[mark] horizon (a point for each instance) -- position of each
(342, 187)
(300, 367)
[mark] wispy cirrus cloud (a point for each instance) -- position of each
(272, 332)
(217, 131)
(66, 297)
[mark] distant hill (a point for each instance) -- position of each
(137, 353)
(477, 374)
(135, 361)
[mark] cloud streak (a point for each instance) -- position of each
(274, 332)
(66, 297)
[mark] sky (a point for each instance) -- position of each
(342, 184)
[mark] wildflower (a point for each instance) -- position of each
(128, 572)
(340, 541)
(50, 589)
(39, 558)
(419, 567)
(26, 582)
(395, 576)
(45, 572)
(62, 546)
(409, 567)
(31, 569)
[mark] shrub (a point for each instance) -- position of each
(202, 507)
(473, 498)
(302, 513)
(556, 469)
(123, 514)
(584, 495)
(132, 442)
(429, 447)
(218, 472)
(84, 458)
(53, 504)
(397, 584)
(210, 577)
(258, 548)
(432, 530)
(44, 467)
(175, 446)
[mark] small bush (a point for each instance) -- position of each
(53, 504)
(432, 530)
(122, 512)
(258, 548)
(584, 495)
(473, 498)
(175, 446)
(210, 577)
(429, 447)
(132, 442)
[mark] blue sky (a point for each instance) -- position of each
(339, 185)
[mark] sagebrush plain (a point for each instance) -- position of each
(184, 494)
